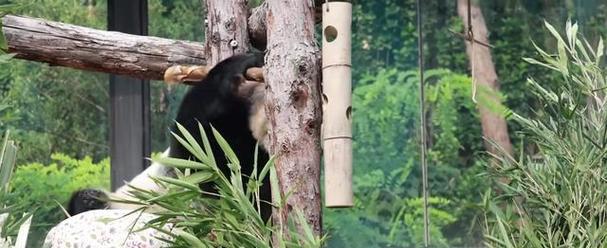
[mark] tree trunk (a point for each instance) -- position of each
(493, 125)
(226, 30)
(257, 26)
(293, 107)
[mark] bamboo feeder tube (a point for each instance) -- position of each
(337, 103)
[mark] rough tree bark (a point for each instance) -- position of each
(226, 29)
(96, 50)
(257, 23)
(493, 125)
(293, 107)
(257, 26)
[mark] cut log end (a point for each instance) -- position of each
(183, 74)
(255, 74)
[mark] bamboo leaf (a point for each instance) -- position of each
(554, 33)
(225, 147)
(3, 43)
(207, 146)
(8, 156)
(192, 240)
(197, 150)
(185, 144)
(23, 232)
(600, 50)
(179, 183)
(181, 163)
(199, 177)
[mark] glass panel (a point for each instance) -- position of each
(389, 209)
(174, 19)
(59, 119)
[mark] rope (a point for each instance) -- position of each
(422, 114)
(472, 53)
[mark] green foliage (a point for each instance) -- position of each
(557, 197)
(385, 111)
(47, 186)
(384, 103)
(13, 223)
(383, 219)
(176, 19)
(387, 186)
(231, 219)
(47, 103)
(42, 189)
(383, 35)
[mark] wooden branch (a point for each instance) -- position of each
(185, 74)
(255, 74)
(89, 49)
(145, 57)
(196, 73)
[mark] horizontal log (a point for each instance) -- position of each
(145, 57)
(60, 44)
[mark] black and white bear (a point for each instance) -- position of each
(224, 99)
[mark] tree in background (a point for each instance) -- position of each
(483, 72)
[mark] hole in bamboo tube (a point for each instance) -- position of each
(349, 112)
(330, 33)
(325, 99)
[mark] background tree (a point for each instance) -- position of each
(483, 71)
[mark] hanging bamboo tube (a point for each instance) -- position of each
(337, 103)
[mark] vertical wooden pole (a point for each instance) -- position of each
(129, 100)
(337, 103)
(293, 102)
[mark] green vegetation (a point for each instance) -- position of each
(557, 196)
(231, 219)
(388, 208)
(42, 188)
(14, 224)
